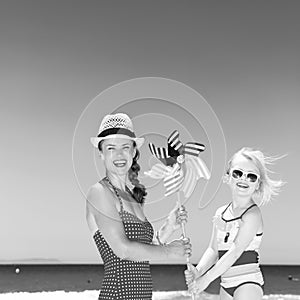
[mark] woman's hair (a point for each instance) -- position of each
(267, 187)
(139, 191)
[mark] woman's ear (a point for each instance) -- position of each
(101, 156)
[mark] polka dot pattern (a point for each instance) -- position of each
(126, 279)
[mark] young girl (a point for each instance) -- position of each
(233, 252)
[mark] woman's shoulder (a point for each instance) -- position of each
(99, 195)
(96, 189)
(99, 187)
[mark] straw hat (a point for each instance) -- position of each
(116, 126)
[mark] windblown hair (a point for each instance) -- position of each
(139, 191)
(268, 188)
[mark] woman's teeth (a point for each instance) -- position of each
(120, 163)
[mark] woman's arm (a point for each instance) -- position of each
(103, 206)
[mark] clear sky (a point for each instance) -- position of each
(57, 56)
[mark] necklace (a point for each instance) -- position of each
(116, 189)
(227, 226)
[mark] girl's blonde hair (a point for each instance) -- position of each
(267, 187)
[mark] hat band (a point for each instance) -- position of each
(111, 131)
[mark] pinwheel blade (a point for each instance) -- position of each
(204, 169)
(159, 171)
(193, 148)
(200, 167)
(190, 180)
(174, 144)
(158, 152)
(173, 182)
(162, 154)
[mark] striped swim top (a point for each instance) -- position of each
(246, 267)
(228, 227)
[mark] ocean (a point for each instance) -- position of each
(64, 282)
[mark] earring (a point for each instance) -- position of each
(225, 178)
(258, 187)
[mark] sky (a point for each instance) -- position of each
(225, 74)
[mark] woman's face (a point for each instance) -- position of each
(118, 154)
(243, 177)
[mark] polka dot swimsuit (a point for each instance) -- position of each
(126, 279)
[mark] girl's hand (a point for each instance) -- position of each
(191, 274)
(177, 216)
(198, 285)
(179, 248)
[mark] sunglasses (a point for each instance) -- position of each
(250, 176)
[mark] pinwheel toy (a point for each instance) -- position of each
(180, 168)
(181, 165)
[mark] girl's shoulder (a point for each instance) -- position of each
(221, 209)
(252, 211)
(217, 217)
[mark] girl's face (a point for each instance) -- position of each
(118, 154)
(243, 177)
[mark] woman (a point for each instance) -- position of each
(233, 252)
(122, 233)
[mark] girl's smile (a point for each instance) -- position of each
(244, 177)
(242, 185)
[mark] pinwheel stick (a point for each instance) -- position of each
(184, 236)
(182, 224)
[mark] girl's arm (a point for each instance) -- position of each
(207, 260)
(210, 255)
(103, 206)
(250, 224)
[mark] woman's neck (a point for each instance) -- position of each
(117, 181)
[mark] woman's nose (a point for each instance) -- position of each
(119, 152)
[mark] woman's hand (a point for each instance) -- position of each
(179, 248)
(173, 222)
(191, 274)
(177, 216)
(198, 285)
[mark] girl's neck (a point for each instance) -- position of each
(241, 202)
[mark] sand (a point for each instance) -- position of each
(93, 295)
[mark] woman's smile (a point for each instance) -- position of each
(120, 163)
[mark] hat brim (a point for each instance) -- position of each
(95, 140)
